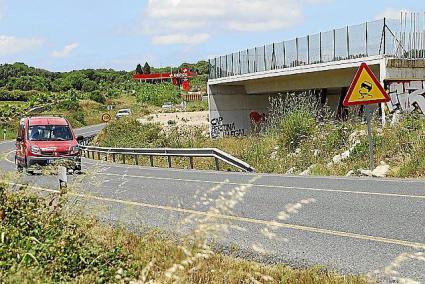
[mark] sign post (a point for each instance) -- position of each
(369, 113)
(366, 90)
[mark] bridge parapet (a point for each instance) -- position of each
(382, 37)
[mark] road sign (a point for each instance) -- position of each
(365, 89)
(106, 117)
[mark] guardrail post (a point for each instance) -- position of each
(191, 162)
(151, 160)
(113, 157)
(136, 159)
(92, 154)
(169, 161)
(98, 156)
(217, 164)
(123, 158)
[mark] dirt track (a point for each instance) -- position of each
(180, 119)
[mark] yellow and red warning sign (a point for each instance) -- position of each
(365, 89)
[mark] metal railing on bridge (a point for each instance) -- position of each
(381, 37)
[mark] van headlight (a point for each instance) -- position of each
(74, 150)
(35, 150)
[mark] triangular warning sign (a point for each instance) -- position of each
(365, 89)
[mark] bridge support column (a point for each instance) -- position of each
(231, 109)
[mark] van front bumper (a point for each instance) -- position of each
(71, 162)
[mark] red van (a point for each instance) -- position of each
(44, 140)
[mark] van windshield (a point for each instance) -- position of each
(49, 133)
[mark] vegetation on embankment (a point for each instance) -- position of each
(82, 95)
(41, 241)
(296, 140)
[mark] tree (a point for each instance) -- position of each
(202, 67)
(146, 69)
(139, 69)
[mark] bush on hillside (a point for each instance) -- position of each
(129, 132)
(295, 127)
(97, 97)
(157, 94)
(70, 102)
(18, 95)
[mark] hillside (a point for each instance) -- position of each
(83, 95)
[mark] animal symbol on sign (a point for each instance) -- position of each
(365, 89)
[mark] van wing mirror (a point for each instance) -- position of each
(19, 139)
(80, 139)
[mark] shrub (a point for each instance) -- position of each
(37, 243)
(77, 118)
(197, 106)
(338, 136)
(157, 94)
(70, 102)
(97, 97)
(415, 166)
(295, 127)
(129, 132)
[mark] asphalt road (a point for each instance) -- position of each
(352, 225)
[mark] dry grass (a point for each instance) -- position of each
(160, 253)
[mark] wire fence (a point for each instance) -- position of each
(402, 39)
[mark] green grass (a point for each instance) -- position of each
(197, 106)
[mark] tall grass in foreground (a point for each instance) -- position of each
(41, 243)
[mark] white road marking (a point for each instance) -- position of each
(268, 186)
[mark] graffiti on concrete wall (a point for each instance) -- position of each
(406, 96)
(221, 129)
(257, 118)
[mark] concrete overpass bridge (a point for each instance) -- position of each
(241, 83)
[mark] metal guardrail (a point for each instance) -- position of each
(218, 155)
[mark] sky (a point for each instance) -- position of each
(63, 35)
